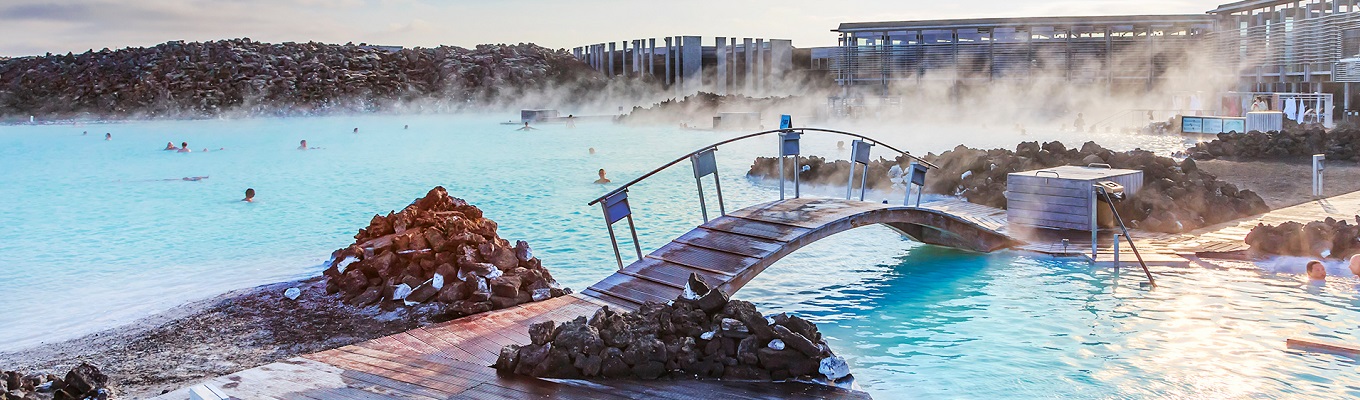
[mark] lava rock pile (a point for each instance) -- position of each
(702, 334)
(1176, 196)
(82, 382)
(1338, 144)
(204, 79)
(438, 249)
(1319, 239)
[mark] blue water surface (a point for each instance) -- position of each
(95, 233)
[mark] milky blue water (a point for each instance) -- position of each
(94, 233)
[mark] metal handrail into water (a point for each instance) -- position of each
(615, 203)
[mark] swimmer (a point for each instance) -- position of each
(1316, 271)
(84, 133)
(840, 145)
(250, 195)
(405, 127)
(602, 179)
(592, 150)
(108, 136)
(571, 121)
(302, 145)
(184, 147)
(193, 178)
(526, 127)
(1355, 264)
(170, 146)
(356, 131)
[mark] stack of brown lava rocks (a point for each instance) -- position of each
(82, 382)
(702, 334)
(439, 249)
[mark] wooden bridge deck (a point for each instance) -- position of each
(731, 250)
(451, 361)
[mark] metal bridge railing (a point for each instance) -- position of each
(704, 162)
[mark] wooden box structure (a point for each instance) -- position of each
(1062, 197)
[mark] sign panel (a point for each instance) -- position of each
(1192, 125)
(859, 151)
(785, 121)
(788, 143)
(616, 207)
(1213, 125)
(1235, 125)
(705, 163)
(918, 174)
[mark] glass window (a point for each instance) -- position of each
(1010, 35)
(1041, 33)
(970, 36)
(937, 36)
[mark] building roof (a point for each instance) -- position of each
(1247, 5)
(992, 22)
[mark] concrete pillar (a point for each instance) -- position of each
(760, 65)
(610, 55)
(669, 54)
(1346, 97)
(691, 63)
(748, 67)
(720, 50)
(781, 60)
(635, 57)
(651, 56)
(732, 66)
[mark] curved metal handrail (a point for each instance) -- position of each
(625, 186)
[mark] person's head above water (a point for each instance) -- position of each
(1316, 271)
(302, 145)
(250, 195)
(592, 150)
(170, 146)
(1355, 264)
(601, 173)
(108, 136)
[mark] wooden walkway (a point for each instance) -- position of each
(451, 361)
(731, 250)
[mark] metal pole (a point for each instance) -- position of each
(850, 184)
(863, 182)
(636, 245)
(1116, 250)
(717, 183)
(613, 240)
(702, 206)
(781, 170)
(1095, 227)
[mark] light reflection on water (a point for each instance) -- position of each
(92, 238)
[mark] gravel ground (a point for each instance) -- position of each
(1285, 183)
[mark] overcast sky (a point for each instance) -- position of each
(29, 27)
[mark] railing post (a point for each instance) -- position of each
(706, 163)
(788, 146)
(616, 208)
(915, 177)
(859, 154)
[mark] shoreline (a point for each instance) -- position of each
(233, 331)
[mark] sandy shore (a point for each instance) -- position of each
(228, 333)
(1285, 183)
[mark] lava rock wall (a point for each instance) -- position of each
(1176, 196)
(439, 249)
(702, 334)
(82, 382)
(1319, 239)
(1338, 144)
(201, 79)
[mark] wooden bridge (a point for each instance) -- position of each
(731, 250)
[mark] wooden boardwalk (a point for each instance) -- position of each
(731, 250)
(451, 361)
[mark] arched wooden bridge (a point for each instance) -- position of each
(730, 250)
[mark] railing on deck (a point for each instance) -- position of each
(704, 161)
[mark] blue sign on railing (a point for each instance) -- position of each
(918, 174)
(860, 151)
(705, 163)
(616, 207)
(785, 121)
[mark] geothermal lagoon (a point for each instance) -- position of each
(99, 233)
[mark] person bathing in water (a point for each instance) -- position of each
(302, 145)
(1317, 273)
(108, 136)
(602, 179)
(250, 195)
(170, 146)
(183, 148)
(526, 127)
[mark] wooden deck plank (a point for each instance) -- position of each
(758, 229)
(749, 246)
(703, 259)
(634, 290)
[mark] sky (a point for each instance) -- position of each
(34, 27)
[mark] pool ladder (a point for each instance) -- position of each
(1110, 201)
